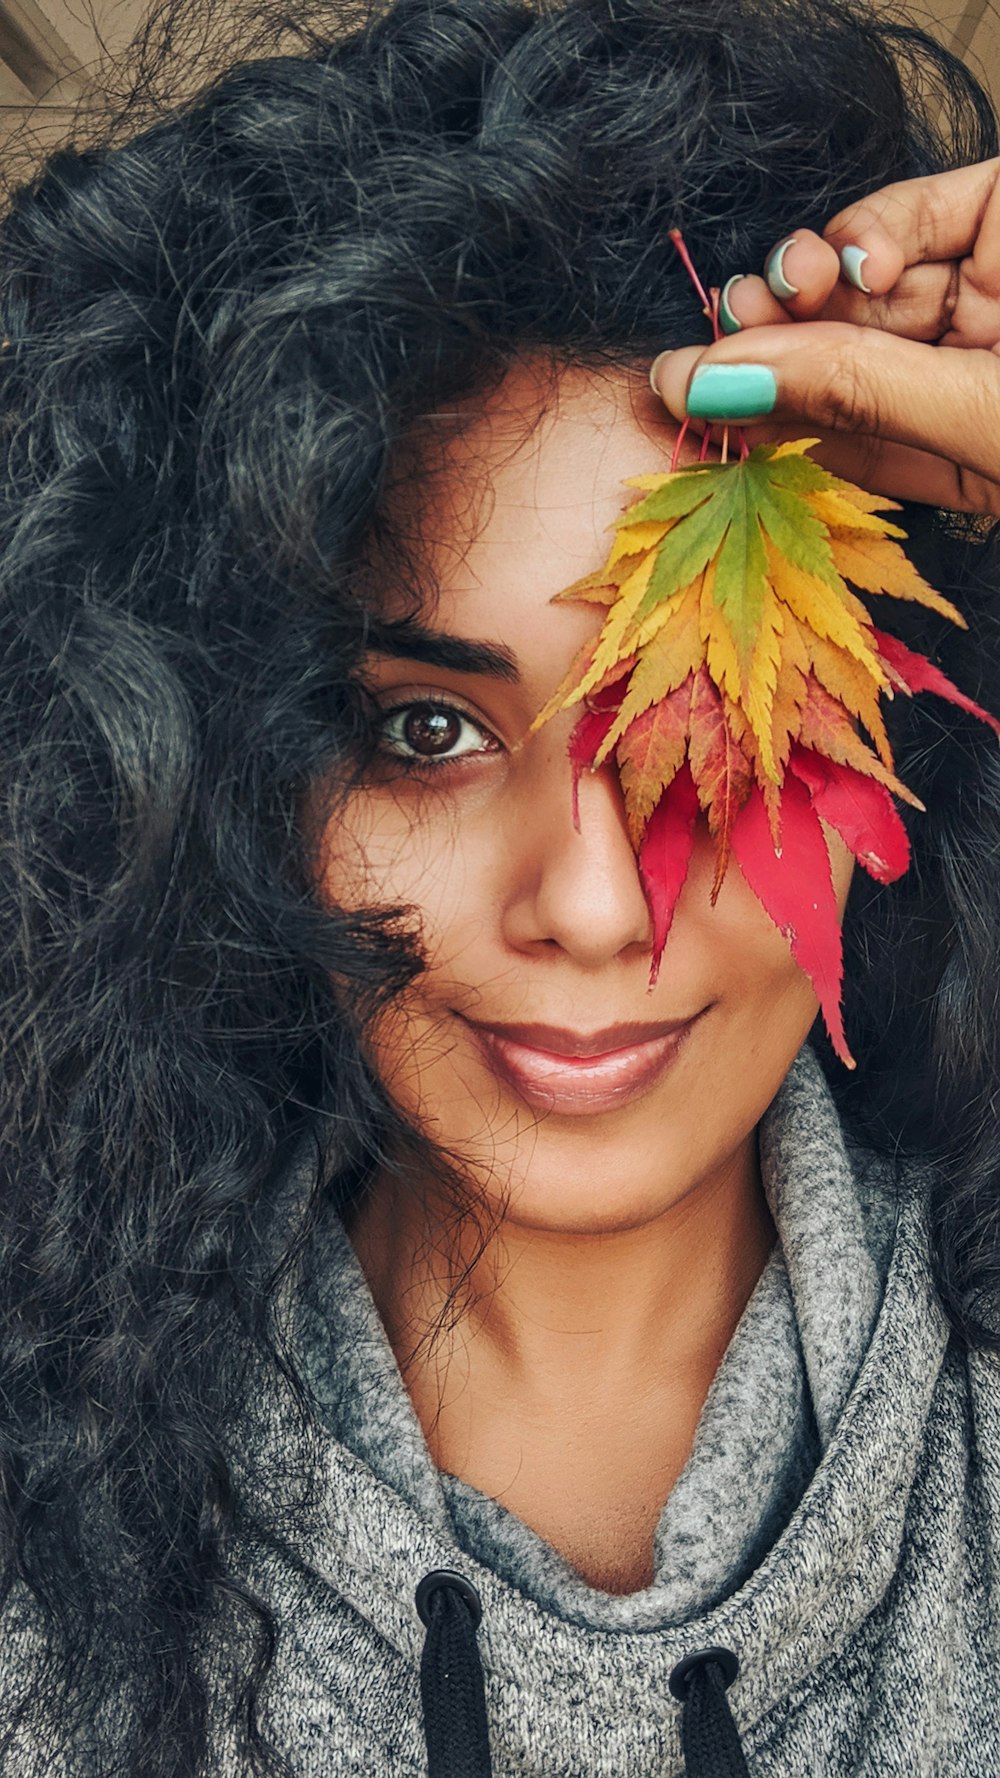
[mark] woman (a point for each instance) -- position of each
(428, 1349)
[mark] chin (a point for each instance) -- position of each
(613, 1208)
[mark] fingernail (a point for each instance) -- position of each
(851, 261)
(661, 358)
(732, 392)
(774, 272)
(727, 319)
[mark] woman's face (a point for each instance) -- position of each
(531, 1045)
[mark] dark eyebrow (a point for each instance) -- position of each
(411, 641)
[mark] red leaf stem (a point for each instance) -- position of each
(688, 264)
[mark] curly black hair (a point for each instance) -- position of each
(223, 321)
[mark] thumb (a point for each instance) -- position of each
(940, 399)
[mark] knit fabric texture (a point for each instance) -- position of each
(837, 1526)
(769, 1415)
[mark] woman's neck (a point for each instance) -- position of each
(570, 1388)
(559, 1313)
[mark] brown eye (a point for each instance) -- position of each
(430, 731)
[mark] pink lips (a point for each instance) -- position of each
(577, 1074)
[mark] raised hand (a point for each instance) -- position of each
(881, 335)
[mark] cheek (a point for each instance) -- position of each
(409, 849)
(373, 852)
(387, 848)
(735, 947)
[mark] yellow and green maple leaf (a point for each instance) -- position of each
(740, 571)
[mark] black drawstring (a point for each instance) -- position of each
(454, 1698)
(451, 1678)
(709, 1736)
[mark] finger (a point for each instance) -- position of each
(854, 380)
(901, 472)
(801, 271)
(976, 310)
(983, 270)
(921, 305)
(912, 222)
(746, 301)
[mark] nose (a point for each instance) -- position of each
(577, 890)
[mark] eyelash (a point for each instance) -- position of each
(428, 762)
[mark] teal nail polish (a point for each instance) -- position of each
(774, 272)
(727, 319)
(851, 261)
(732, 392)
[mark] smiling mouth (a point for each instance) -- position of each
(573, 1073)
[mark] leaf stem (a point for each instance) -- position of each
(688, 264)
(710, 303)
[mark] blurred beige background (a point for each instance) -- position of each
(48, 55)
(973, 31)
(51, 50)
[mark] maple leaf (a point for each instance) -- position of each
(914, 672)
(605, 657)
(670, 657)
(584, 744)
(852, 685)
(877, 565)
(741, 675)
(795, 887)
(824, 728)
(722, 773)
(860, 810)
(651, 753)
(664, 856)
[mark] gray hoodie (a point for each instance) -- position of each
(836, 1528)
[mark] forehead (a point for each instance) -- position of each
(527, 489)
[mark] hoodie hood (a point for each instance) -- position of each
(854, 1624)
(769, 1415)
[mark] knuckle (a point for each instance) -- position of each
(848, 394)
(950, 299)
(975, 316)
(925, 303)
(976, 494)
